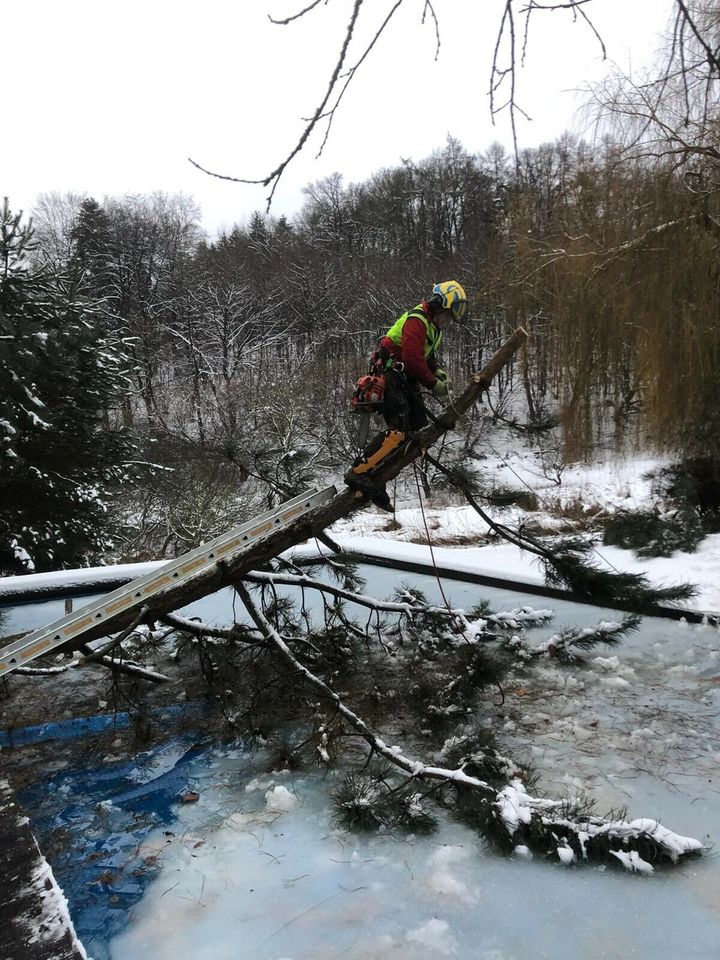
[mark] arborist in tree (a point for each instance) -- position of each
(405, 360)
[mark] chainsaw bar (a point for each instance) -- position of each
(363, 431)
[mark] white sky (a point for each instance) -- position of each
(112, 96)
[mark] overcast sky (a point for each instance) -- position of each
(105, 97)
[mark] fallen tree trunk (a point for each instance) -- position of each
(313, 523)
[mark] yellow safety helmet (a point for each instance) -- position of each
(449, 295)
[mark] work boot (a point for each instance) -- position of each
(373, 490)
(374, 453)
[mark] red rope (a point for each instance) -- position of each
(458, 623)
(427, 534)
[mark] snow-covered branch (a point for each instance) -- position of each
(508, 816)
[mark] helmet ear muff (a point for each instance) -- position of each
(436, 302)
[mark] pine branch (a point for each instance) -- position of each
(608, 633)
(366, 801)
(563, 646)
(566, 564)
(519, 618)
(509, 818)
(570, 832)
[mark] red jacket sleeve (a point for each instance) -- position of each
(413, 353)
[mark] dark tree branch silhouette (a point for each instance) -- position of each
(341, 78)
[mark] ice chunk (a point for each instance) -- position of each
(280, 799)
(609, 664)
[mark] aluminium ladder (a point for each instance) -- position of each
(138, 592)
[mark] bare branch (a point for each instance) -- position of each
(330, 115)
(194, 627)
(274, 177)
(360, 599)
(592, 26)
(116, 641)
(712, 58)
(327, 108)
(296, 16)
(428, 8)
(499, 74)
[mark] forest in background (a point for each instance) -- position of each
(159, 384)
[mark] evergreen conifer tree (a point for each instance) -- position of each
(91, 239)
(59, 456)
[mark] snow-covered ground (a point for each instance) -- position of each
(462, 540)
(618, 484)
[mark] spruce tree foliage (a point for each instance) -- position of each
(692, 485)
(688, 509)
(91, 242)
(59, 375)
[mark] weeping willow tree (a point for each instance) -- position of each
(631, 307)
(669, 130)
(615, 248)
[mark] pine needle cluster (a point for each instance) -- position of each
(567, 565)
(379, 800)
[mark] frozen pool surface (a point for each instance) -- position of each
(255, 869)
(243, 879)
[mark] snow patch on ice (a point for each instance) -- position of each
(280, 799)
(265, 781)
(435, 934)
(513, 806)
(566, 855)
(441, 881)
(633, 862)
(522, 851)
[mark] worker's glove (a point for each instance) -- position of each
(440, 388)
(441, 374)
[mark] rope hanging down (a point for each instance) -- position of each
(429, 541)
(458, 626)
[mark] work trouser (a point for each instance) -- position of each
(403, 407)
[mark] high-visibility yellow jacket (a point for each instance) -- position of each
(414, 340)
